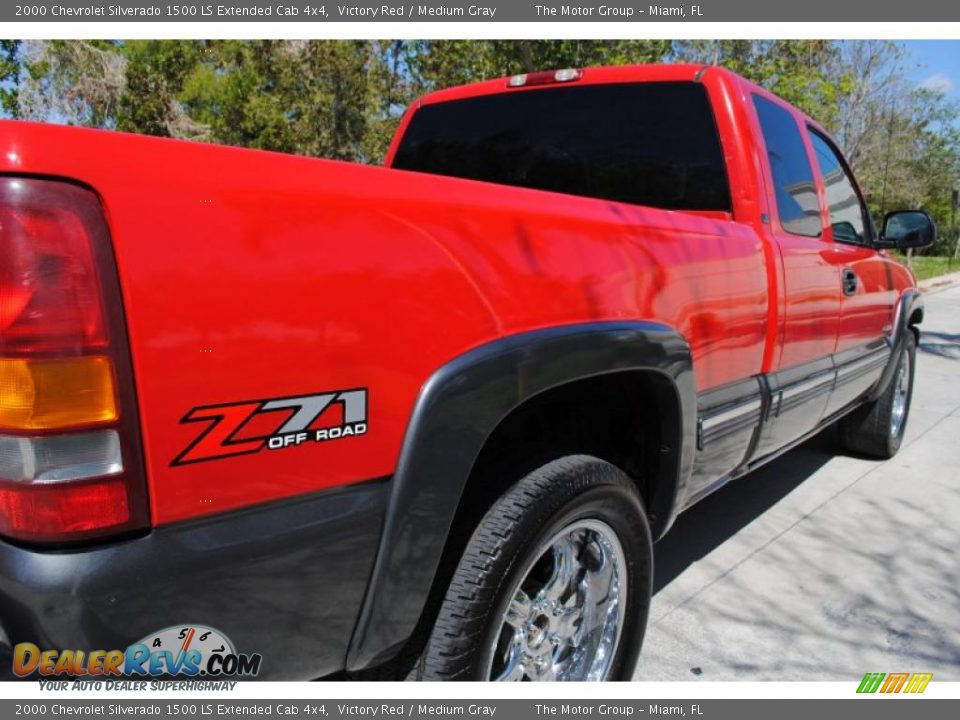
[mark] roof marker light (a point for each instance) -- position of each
(547, 77)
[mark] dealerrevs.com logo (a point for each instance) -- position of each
(181, 650)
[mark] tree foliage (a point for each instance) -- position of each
(69, 81)
(9, 76)
(343, 99)
(805, 73)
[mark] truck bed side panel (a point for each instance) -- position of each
(249, 276)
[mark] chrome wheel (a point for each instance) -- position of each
(900, 391)
(566, 614)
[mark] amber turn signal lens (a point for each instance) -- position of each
(44, 394)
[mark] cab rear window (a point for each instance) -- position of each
(652, 144)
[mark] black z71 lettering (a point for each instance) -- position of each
(278, 422)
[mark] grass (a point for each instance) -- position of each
(928, 266)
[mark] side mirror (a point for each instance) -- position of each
(907, 229)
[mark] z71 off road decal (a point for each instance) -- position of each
(248, 427)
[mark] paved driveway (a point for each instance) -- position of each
(823, 566)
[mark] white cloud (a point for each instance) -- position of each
(938, 83)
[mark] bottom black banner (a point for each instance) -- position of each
(872, 707)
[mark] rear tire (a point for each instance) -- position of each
(555, 582)
(876, 429)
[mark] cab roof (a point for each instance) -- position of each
(661, 72)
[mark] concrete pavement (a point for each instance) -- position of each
(822, 566)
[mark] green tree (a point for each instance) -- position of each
(390, 89)
(307, 97)
(156, 71)
(78, 82)
(805, 73)
(877, 70)
(9, 76)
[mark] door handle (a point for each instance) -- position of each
(849, 282)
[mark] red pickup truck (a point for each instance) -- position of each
(425, 420)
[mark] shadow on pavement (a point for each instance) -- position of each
(726, 512)
(945, 345)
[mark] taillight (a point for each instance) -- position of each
(70, 459)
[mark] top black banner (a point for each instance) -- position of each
(485, 11)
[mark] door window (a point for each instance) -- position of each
(796, 191)
(846, 211)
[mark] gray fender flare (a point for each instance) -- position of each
(910, 302)
(457, 409)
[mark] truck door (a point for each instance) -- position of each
(801, 378)
(867, 300)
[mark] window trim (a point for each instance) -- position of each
(868, 229)
(768, 167)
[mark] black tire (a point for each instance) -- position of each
(563, 492)
(867, 430)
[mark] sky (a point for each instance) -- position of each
(937, 65)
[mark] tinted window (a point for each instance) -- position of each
(846, 212)
(796, 191)
(649, 144)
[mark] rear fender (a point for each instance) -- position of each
(458, 408)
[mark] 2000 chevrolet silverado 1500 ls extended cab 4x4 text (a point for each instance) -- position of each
(425, 419)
